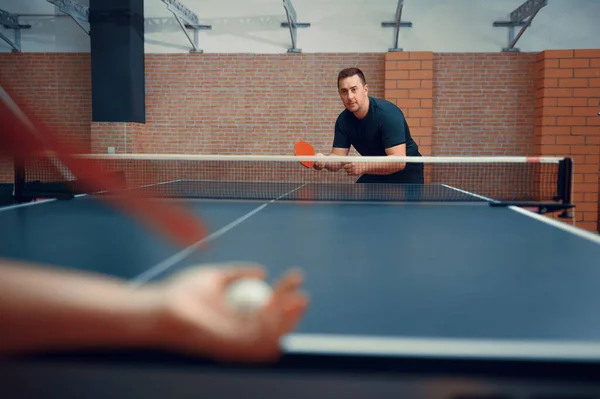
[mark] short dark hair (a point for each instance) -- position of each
(348, 72)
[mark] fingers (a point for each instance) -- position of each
(319, 165)
(235, 271)
(262, 344)
(293, 311)
(289, 282)
(232, 336)
(288, 303)
(352, 169)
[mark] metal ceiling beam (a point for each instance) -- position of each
(78, 12)
(187, 19)
(529, 9)
(293, 24)
(396, 24)
(11, 21)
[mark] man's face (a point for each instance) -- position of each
(353, 93)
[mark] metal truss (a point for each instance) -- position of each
(529, 9)
(11, 21)
(78, 12)
(396, 24)
(292, 23)
(187, 19)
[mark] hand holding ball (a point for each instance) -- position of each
(248, 294)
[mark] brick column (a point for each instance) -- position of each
(567, 122)
(409, 84)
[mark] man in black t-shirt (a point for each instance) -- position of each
(374, 127)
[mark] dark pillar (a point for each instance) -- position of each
(117, 53)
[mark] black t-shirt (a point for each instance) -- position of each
(383, 127)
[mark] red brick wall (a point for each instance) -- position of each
(259, 104)
(408, 84)
(483, 104)
(6, 171)
(54, 88)
(567, 122)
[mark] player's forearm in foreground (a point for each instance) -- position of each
(42, 308)
(46, 309)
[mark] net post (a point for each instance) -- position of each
(19, 179)
(564, 185)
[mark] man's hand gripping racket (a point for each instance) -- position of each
(302, 148)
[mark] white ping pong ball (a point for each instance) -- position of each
(248, 294)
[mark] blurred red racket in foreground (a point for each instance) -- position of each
(21, 137)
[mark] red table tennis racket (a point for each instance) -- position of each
(22, 137)
(302, 148)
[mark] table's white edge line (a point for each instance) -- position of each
(552, 222)
(481, 348)
(38, 202)
(560, 225)
(23, 205)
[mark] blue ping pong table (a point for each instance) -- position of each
(410, 299)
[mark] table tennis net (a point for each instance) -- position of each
(267, 178)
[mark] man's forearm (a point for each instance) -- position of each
(46, 309)
(383, 168)
(333, 166)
